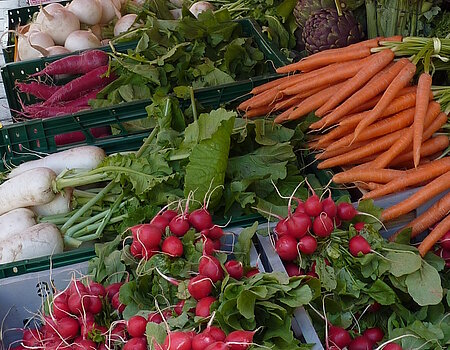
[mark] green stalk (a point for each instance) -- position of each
(106, 219)
(90, 228)
(371, 15)
(194, 107)
(147, 142)
(87, 206)
(75, 228)
(89, 178)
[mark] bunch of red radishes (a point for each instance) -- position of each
(443, 250)
(340, 338)
(313, 218)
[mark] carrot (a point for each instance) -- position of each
(320, 60)
(438, 185)
(258, 112)
(391, 92)
(312, 102)
(336, 133)
(371, 148)
(423, 91)
(429, 147)
(375, 86)
(412, 177)
(264, 99)
(381, 176)
(435, 235)
(283, 117)
(405, 140)
(383, 127)
(295, 99)
(428, 218)
(376, 63)
(330, 154)
(271, 84)
(373, 185)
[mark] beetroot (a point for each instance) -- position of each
(307, 244)
(286, 248)
(208, 246)
(358, 244)
(210, 267)
(76, 287)
(136, 249)
(31, 337)
(200, 287)
(200, 219)
(235, 269)
(203, 308)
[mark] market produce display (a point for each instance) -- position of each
(310, 212)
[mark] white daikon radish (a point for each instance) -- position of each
(84, 157)
(59, 25)
(29, 45)
(109, 11)
(15, 221)
(50, 8)
(61, 204)
(124, 24)
(28, 189)
(200, 7)
(34, 242)
(57, 50)
(87, 11)
(81, 40)
(97, 31)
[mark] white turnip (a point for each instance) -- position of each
(57, 50)
(61, 204)
(59, 25)
(37, 241)
(30, 45)
(109, 11)
(84, 157)
(97, 31)
(51, 9)
(16, 221)
(87, 11)
(124, 24)
(30, 188)
(200, 7)
(81, 40)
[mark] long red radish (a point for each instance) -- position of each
(379, 176)
(90, 81)
(399, 82)
(423, 91)
(428, 218)
(79, 136)
(375, 86)
(80, 64)
(434, 236)
(376, 63)
(437, 186)
(412, 177)
(43, 112)
(39, 90)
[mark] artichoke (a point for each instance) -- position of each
(325, 29)
(305, 8)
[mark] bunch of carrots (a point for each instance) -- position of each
(372, 122)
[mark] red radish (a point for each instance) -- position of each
(216, 332)
(392, 346)
(118, 333)
(31, 337)
(147, 254)
(298, 225)
(329, 207)
(359, 226)
(136, 249)
(167, 313)
(87, 317)
(346, 211)
(84, 344)
(169, 214)
(293, 269)
(358, 244)
(210, 267)
(239, 340)
(307, 244)
(215, 233)
(91, 80)
(76, 287)
(208, 246)
(313, 206)
(116, 304)
(200, 219)
(155, 317)
(445, 241)
(217, 244)
(77, 64)
(136, 326)
(79, 303)
(203, 308)
(252, 272)
(172, 246)
(113, 289)
(337, 222)
(374, 334)
(444, 254)
(374, 307)
(179, 307)
(235, 269)
(339, 336)
(134, 230)
(95, 304)
(60, 309)
(218, 346)
(102, 346)
(286, 248)
(360, 343)
(97, 289)
(136, 344)
(68, 327)
(178, 341)
(200, 287)
(202, 341)
(160, 222)
(39, 90)
(323, 225)
(300, 207)
(281, 228)
(149, 235)
(179, 225)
